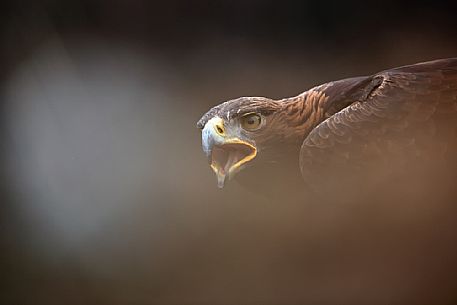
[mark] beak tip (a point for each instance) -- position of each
(220, 181)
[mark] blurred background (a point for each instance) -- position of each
(106, 197)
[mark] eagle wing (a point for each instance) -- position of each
(393, 117)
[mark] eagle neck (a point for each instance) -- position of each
(305, 111)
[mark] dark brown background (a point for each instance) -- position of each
(106, 195)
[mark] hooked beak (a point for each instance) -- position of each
(226, 154)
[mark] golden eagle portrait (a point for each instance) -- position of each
(395, 120)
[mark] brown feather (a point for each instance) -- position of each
(411, 116)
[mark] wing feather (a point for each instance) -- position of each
(400, 114)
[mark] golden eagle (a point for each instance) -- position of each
(405, 115)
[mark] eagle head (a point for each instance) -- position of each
(239, 131)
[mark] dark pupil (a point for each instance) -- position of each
(251, 121)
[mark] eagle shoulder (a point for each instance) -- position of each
(373, 120)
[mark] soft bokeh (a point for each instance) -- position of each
(108, 199)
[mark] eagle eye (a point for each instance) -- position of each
(251, 121)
